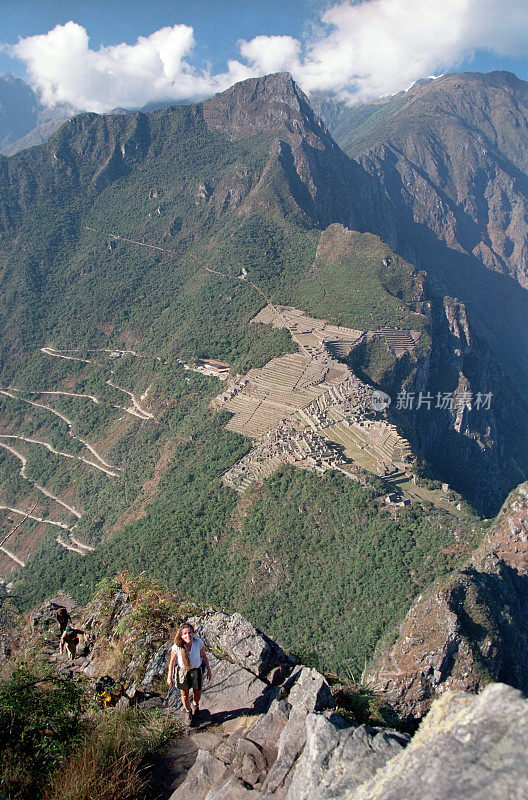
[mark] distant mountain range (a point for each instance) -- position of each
(24, 121)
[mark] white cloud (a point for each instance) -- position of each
(269, 54)
(362, 49)
(378, 47)
(63, 68)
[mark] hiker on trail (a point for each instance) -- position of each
(70, 640)
(187, 655)
(63, 618)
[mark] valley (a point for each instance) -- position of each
(201, 299)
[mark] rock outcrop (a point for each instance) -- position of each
(284, 753)
(276, 733)
(469, 631)
(471, 746)
(235, 639)
(467, 746)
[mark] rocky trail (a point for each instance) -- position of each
(271, 729)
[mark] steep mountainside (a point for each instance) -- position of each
(135, 249)
(454, 151)
(470, 630)
(451, 155)
(268, 728)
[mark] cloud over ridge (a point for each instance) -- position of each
(362, 50)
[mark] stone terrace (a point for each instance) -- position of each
(308, 408)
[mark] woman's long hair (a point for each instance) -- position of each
(178, 641)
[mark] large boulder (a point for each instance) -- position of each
(337, 759)
(307, 691)
(231, 689)
(471, 747)
(234, 638)
(258, 760)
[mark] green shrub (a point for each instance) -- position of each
(39, 723)
(112, 760)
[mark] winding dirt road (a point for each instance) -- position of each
(65, 419)
(44, 491)
(28, 515)
(136, 410)
(69, 394)
(12, 555)
(51, 449)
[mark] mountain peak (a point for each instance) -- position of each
(259, 105)
(276, 86)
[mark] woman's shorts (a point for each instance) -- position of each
(189, 679)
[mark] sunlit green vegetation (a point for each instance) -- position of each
(70, 283)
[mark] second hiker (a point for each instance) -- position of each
(69, 641)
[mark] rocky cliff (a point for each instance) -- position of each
(471, 629)
(453, 151)
(271, 729)
(304, 163)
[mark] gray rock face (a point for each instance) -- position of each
(257, 760)
(206, 772)
(231, 688)
(157, 666)
(471, 747)
(336, 760)
(234, 638)
(308, 692)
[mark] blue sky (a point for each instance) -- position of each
(188, 50)
(218, 25)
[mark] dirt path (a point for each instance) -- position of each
(28, 515)
(51, 449)
(75, 541)
(71, 547)
(44, 491)
(75, 544)
(132, 241)
(13, 556)
(136, 410)
(65, 419)
(50, 351)
(68, 394)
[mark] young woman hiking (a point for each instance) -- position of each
(187, 654)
